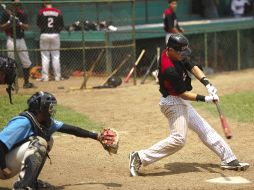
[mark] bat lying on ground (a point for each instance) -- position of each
(127, 78)
(223, 121)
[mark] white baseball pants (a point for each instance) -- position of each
(23, 55)
(16, 157)
(50, 45)
(181, 115)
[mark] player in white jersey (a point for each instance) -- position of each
(50, 21)
(175, 87)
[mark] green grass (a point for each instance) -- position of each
(238, 106)
(63, 114)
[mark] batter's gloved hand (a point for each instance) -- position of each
(212, 98)
(109, 139)
(211, 89)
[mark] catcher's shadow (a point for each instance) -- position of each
(179, 167)
(84, 184)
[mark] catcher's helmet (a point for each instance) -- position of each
(179, 43)
(114, 81)
(42, 102)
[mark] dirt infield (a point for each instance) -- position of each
(133, 111)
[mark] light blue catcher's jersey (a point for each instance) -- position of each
(19, 128)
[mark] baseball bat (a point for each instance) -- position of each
(89, 73)
(224, 122)
(116, 70)
(148, 70)
(127, 78)
(158, 57)
(150, 67)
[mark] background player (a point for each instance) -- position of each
(27, 139)
(170, 19)
(16, 14)
(175, 87)
(50, 21)
(171, 26)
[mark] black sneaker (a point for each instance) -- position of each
(28, 85)
(235, 165)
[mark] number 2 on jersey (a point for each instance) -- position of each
(50, 22)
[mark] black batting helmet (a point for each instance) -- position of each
(179, 43)
(42, 102)
(114, 81)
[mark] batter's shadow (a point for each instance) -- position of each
(183, 167)
(109, 185)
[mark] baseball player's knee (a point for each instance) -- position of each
(37, 145)
(179, 140)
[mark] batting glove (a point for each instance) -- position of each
(211, 89)
(212, 98)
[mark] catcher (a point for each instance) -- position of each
(27, 139)
(7, 73)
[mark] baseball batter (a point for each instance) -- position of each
(16, 14)
(27, 139)
(50, 21)
(175, 87)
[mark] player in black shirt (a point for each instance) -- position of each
(170, 19)
(50, 21)
(16, 14)
(175, 87)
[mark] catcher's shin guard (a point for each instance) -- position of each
(32, 164)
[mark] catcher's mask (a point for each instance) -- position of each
(45, 103)
(114, 81)
(8, 67)
(179, 43)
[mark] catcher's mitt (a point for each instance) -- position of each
(109, 139)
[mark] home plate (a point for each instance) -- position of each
(229, 180)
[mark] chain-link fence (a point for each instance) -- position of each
(98, 39)
(66, 39)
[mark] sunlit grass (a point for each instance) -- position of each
(64, 114)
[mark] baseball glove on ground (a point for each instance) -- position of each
(109, 139)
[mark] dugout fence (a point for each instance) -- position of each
(100, 37)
